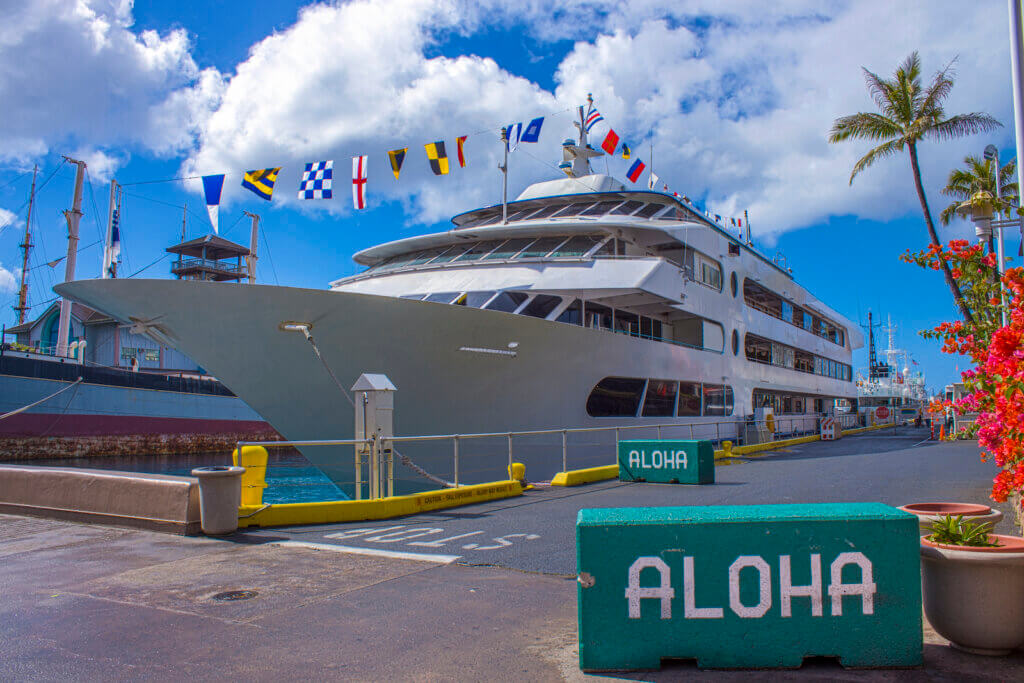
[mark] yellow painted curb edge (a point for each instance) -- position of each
(577, 477)
(383, 508)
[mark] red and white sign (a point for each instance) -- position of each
(882, 412)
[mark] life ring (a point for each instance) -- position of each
(769, 422)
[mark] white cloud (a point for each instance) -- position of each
(8, 284)
(100, 164)
(73, 72)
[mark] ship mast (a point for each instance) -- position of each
(73, 217)
(26, 246)
(250, 260)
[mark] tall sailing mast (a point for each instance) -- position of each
(26, 246)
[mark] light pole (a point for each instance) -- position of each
(992, 154)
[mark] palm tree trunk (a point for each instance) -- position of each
(958, 296)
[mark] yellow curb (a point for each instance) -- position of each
(382, 508)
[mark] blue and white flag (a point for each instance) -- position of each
(212, 186)
(316, 180)
(532, 132)
(592, 118)
(515, 130)
(112, 254)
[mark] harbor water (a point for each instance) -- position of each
(290, 477)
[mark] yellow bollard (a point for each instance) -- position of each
(517, 471)
(254, 479)
(727, 449)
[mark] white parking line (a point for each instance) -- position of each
(375, 552)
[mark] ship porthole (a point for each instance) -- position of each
(734, 282)
(735, 343)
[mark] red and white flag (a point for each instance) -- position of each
(359, 181)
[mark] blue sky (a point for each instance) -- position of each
(735, 103)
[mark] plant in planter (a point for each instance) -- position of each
(973, 586)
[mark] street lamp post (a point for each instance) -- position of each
(992, 154)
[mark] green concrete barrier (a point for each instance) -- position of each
(667, 461)
(759, 586)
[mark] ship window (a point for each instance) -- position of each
(541, 306)
(798, 404)
(717, 400)
(442, 297)
(506, 302)
(689, 399)
(819, 405)
(660, 400)
(397, 262)
(573, 313)
(598, 316)
(451, 253)
(576, 246)
(474, 299)
(626, 209)
(424, 256)
(483, 219)
(645, 327)
(509, 249)
(733, 281)
(477, 251)
(414, 297)
(519, 215)
(627, 323)
(601, 208)
(735, 343)
(546, 211)
(541, 247)
(758, 350)
(607, 249)
(572, 210)
(649, 210)
(615, 397)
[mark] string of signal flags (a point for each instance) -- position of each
(317, 179)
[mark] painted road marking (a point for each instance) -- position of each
(374, 552)
(402, 534)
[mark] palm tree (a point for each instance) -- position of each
(907, 114)
(978, 175)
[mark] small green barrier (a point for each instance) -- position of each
(677, 462)
(759, 586)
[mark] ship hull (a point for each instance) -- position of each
(457, 369)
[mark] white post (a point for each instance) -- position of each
(504, 178)
(1017, 70)
(250, 260)
(73, 217)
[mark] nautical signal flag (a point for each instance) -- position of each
(515, 132)
(635, 170)
(212, 186)
(261, 181)
(652, 182)
(460, 142)
(611, 141)
(438, 157)
(316, 180)
(532, 132)
(625, 151)
(359, 181)
(592, 118)
(397, 157)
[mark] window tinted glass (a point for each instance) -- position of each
(689, 399)
(615, 397)
(425, 256)
(442, 297)
(478, 250)
(607, 249)
(626, 209)
(451, 253)
(509, 248)
(576, 246)
(398, 261)
(573, 314)
(601, 208)
(541, 306)
(598, 316)
(519, 215)
(507, 302)
(627, 323)
(661, 398)
(572, 210)
(649, 210)
(715, 400)
(541, 247)
(474, 299)
(546, 211)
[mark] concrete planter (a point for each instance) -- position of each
(927, 513)
(974, 597)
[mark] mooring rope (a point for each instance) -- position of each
(404, 459)
(42, 400)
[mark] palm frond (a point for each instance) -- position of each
(881, 92)
(949, 213)
(962, 125)
(935, 94)
(864, 126)
(880, 152)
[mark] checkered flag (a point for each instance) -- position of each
(316, 180)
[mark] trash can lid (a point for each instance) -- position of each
(218, 471)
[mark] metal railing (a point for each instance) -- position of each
(456, 464)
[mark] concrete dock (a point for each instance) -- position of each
(480, 592)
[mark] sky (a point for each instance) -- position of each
(733, 100)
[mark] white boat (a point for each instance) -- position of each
(891, 388)
(581, 303)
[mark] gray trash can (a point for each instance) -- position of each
(220, 494)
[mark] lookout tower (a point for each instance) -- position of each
(209, 258)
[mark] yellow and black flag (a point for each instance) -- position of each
(397, 157)
(438, 158)
(626, 152)
(261, 182)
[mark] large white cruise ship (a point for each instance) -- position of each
(581, 303)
